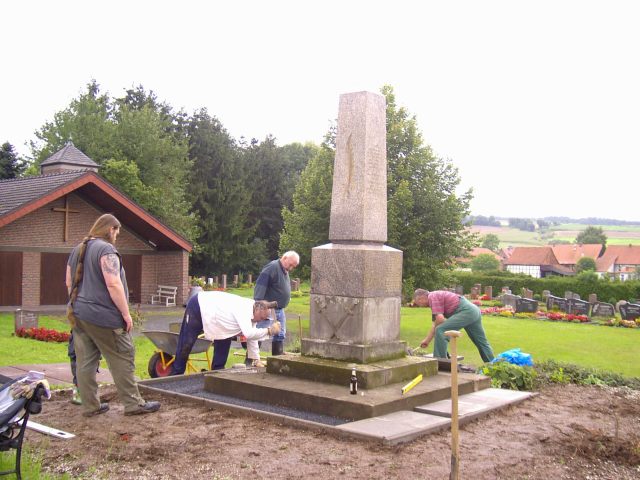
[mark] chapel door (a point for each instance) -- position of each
(53, 270)
(10, 279)
(133, 268)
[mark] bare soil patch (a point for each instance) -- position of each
(567, 432)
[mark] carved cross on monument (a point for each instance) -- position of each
(66, 210)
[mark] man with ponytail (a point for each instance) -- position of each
(99, 313)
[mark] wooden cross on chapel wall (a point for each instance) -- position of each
(66, 211)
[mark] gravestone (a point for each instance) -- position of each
(619, 303)
(356, 280)
(593, 298)
(224, 281)
(602, 309)
(568, 294)
(488, 292)
(294, 285)
(508, 300)
(630, 311)
(545, 294)
(475, 292)
(526, 305)
(506, 290)
(578, 307)
(576, 296)
(215, 281)
(557, 303)
(459, 290)
(526, 293)
(235, 280)
(25, 319)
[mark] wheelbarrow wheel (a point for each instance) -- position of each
(156, 369)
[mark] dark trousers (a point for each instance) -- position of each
(71, 352)
(189, 331)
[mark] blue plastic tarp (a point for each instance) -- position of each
(516, 357)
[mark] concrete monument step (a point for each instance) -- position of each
(476, 404)
(336, 400)
(370, 375)
(404, 426)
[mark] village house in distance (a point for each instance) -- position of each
(43, 217)
(619, 262)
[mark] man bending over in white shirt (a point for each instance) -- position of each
(221, 316)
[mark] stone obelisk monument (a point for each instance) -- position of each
(356, 280)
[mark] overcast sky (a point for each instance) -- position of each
(537, 103)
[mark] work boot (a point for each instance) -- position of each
(104, 407)
(75, 397)
(148, 407)
(277, 347)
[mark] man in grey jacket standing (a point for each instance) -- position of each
(273, 285)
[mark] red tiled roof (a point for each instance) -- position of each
(618, 255)
(532, 256)
(570, 254)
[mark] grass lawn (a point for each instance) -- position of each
(607, 348)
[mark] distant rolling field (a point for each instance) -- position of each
(616, 234)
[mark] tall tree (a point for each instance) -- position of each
(425, 215)
(221, 201)
(143, 132)
(306, 224)
(485, 262)
(585, 263)
(11, 165)
(592, 235)
(491, 241)
(88, 122)
(274, 172)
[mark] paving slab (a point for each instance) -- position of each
(397, 427)
(56, 373)
(476, 404)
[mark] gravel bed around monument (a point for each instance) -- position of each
(193, 385)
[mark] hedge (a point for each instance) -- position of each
(607, 290)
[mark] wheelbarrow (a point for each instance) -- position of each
(167, 345)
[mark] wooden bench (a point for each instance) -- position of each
(165, 294)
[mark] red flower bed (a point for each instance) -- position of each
(43, 334)
(564, 317)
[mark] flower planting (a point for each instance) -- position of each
(552, 316)
(43, 334)
(616, 322)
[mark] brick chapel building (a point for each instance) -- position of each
(43, 217)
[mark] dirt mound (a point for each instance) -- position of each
(567, 432)
(592, 444)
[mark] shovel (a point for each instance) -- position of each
(455, 447)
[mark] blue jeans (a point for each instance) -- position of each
(281, 317)
(189, 331)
